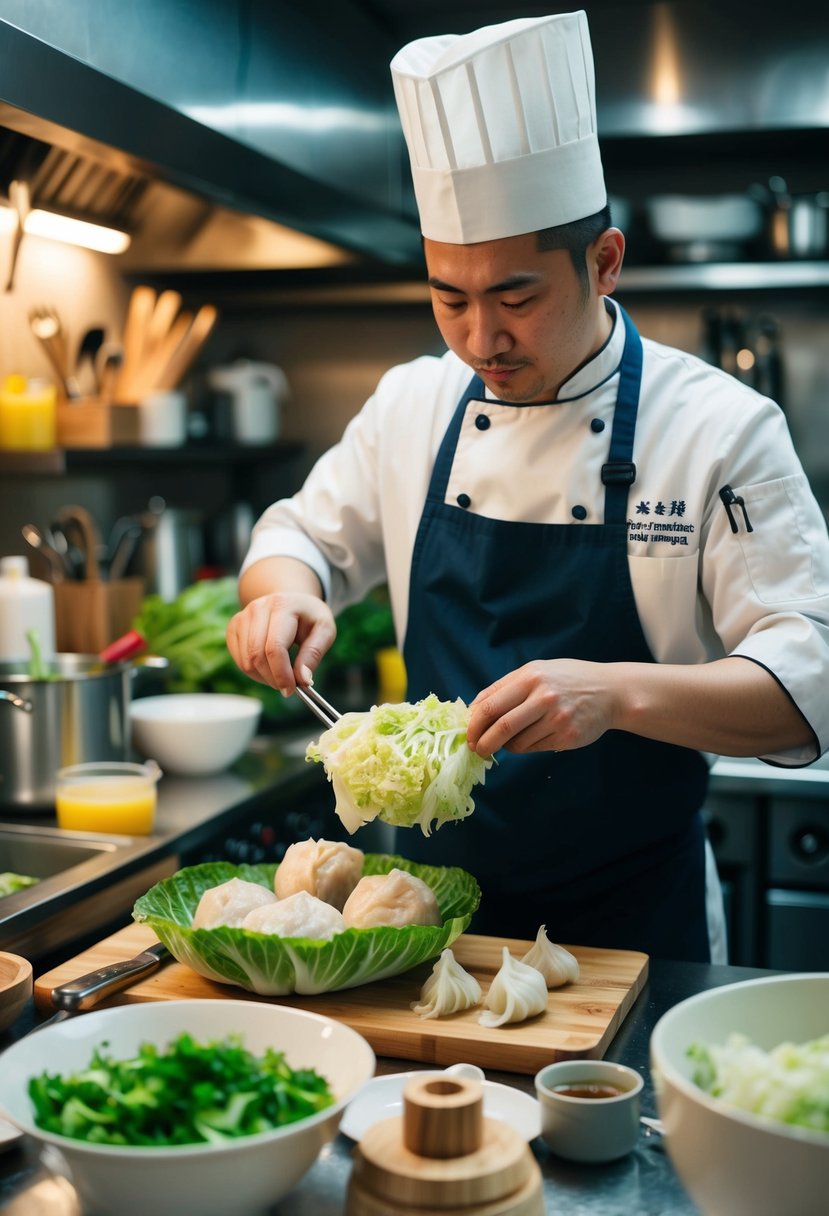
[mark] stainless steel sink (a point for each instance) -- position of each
(42, 852)
(86, 881)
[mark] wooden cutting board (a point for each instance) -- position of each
(580, 1021)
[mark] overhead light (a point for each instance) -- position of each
(64, 228)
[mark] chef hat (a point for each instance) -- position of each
(501, 128)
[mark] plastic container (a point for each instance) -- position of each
(107, 797)
(28, 415)
(25, 603)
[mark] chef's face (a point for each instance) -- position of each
(522, 318)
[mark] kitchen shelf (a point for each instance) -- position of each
(725, 276)
(69, 460)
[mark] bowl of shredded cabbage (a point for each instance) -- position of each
(741, 1075)
(209, 1107)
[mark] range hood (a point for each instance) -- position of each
(192, 196)
(262, 134)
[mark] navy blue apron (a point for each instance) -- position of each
(603, 844)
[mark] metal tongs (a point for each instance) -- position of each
(318, 705)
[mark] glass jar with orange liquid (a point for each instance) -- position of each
(109, 797)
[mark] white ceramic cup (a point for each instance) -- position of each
(162, 419)
(589, 1128)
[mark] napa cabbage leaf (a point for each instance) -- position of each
(276, 966)
(407, 764)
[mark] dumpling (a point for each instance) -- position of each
(229, 903)
(517, 992)
(397, 898)
(300, 915)
(557, 965)
(449, 989)
(328, 869)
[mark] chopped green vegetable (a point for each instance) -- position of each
(405, 764)
(187, 1093)
(11, 882)
(789, 1084)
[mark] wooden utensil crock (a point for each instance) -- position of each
(443, 1155)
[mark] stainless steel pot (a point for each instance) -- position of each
(79, 713)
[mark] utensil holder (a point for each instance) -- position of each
(90, 614)
(92, 423)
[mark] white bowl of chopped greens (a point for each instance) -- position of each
(199, 1090)
(741, 1075)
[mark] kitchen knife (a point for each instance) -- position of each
(83, 993)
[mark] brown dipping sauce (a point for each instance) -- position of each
(588, 1089)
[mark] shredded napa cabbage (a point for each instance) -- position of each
(406, 764)
(789, 1084)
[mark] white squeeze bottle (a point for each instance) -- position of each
(25, 603)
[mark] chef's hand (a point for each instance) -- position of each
(547, 705)
(260, 638)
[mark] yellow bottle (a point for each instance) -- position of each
(28, 415)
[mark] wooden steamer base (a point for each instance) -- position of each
(443, 1155)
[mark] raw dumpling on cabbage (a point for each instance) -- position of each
(517, 992)
(229, 903)
(300, 915)
(449, 989)
(557, 965)
(397, 898)
(328, 869)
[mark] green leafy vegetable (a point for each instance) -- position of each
(405, 764)
(789, 1084)
(189, 632)
(11, 882)
(276, 966)
(187, 1093)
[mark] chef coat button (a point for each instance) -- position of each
(579, 512)
(597, 425)
(482, 422)
(464, 500)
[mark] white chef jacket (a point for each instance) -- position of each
(702, 591)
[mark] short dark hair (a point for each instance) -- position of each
(576, 237)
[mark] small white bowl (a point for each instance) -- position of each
(247, 1175)
(194, 733)
(589, 1128)
(730, 1161)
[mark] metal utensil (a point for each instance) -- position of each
(318, 705)
(76, 996)
(46, 327)
(90, 344)
(34, 537)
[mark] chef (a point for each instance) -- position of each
(606, 546)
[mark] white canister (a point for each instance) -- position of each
(25, 603)
(162, 419)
